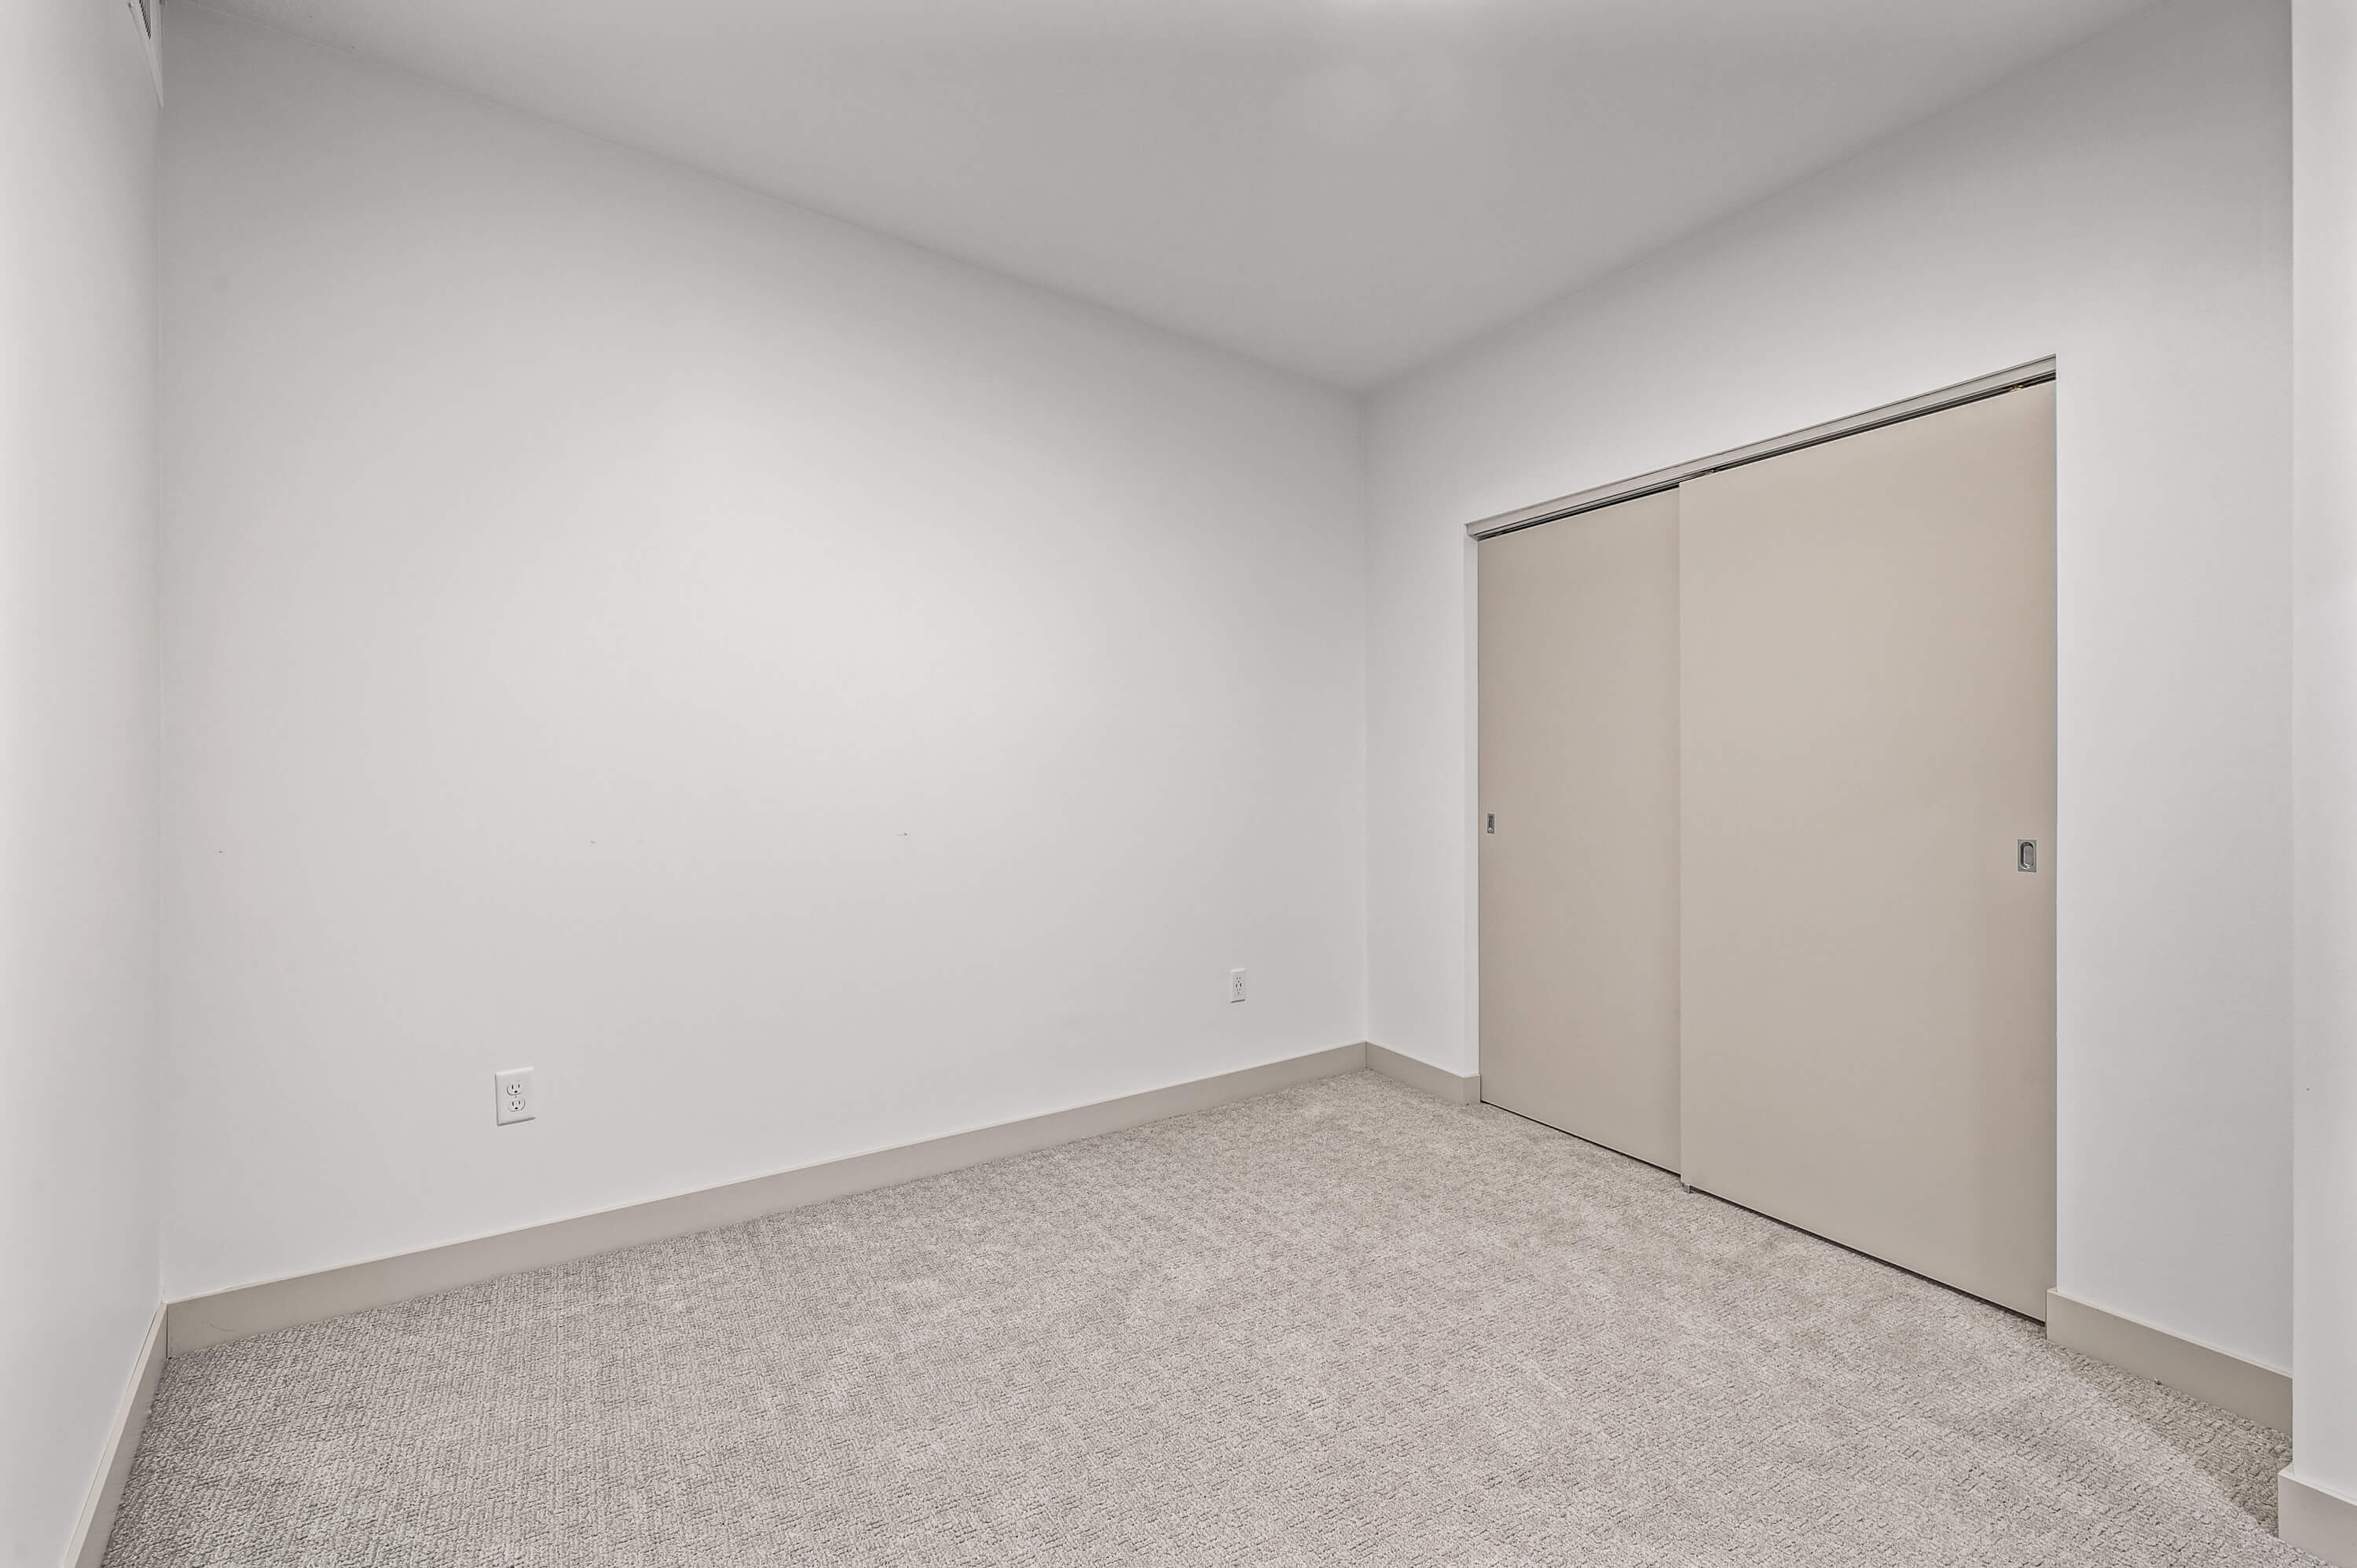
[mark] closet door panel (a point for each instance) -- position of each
(1578, 768)
(1868, 734)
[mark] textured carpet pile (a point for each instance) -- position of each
(1345, 1324)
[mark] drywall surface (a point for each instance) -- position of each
(2123, 207)
(796, 693)
(2324, 1200)
(77, 750)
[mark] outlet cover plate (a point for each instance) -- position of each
(514, 1102)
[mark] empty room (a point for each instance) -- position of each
(1201, 782)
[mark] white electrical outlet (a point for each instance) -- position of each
(1235, 985)
(515, 1089)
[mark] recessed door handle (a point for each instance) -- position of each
(2026, 855)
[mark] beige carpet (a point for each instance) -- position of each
(1345, 1324)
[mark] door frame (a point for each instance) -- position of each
(1979, 387)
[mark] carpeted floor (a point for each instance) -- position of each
(1344, 1324)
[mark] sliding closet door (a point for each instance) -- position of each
(1867, 969)
(1579, 783)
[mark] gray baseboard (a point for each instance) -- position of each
(1454, 1088)
(2317, 1519)
(88, 1546)
(2255, 1392)
(201, 1321)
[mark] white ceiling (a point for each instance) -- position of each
(1345, 187)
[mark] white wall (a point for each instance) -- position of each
(2324, 1205)
(77, 750)
(797, 693)
(2126, 208)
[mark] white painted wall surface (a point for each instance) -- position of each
(797, 693)
(2324, 1201)
(2125, 207)
(77, 750)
